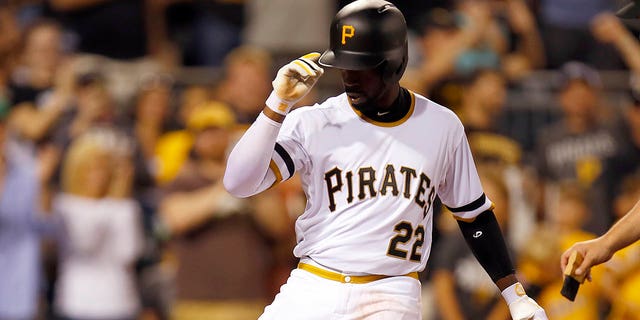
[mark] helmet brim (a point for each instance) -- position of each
(350, 60)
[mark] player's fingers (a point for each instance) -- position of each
(297, 68)
(311, 60)
(313, 56)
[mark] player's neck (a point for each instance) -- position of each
(390, 100)
(394, 110)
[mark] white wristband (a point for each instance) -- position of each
(513, 293)
(278, 105)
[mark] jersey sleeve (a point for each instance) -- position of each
(460, 190)
(289, 154)
(266, 154)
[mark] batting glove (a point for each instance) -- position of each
(520, 305)
(293, 82)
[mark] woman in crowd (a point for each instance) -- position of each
(102, 235)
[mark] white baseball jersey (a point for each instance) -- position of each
(370, 185)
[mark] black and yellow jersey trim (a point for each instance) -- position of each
(471, 206)
(389, 124)
(286, 158)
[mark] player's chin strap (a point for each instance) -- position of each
(485, 239)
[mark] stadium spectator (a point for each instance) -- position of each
(609, 30)
(102, 236)
(92, 106)
(134, 44)
(152, 112)
(482, 106)
(487, 51)
(147, 120)
(24, 220)
(462, 290)
(211, 230)
(245, 67)
(565, 28)
(441, 43)
(8, 42)
(525, 49)
(622, 272)
(579, 146)
(41, 84)
(566, 220)
(172, 148)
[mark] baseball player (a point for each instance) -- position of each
(371, 161)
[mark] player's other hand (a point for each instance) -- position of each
(594, 253)
(521, 306)
(526, 308)
(294, 81)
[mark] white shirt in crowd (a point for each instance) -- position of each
(100, 242)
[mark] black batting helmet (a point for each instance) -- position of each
(368, 34)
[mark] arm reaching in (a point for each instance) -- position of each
(608, 28)
(600, 250)
(248, 167)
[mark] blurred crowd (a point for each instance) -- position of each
(116, 117)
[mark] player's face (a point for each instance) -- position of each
(366, 89)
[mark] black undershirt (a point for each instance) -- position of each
(397, 111)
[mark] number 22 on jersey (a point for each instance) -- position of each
(404, 233)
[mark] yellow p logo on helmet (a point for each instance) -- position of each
(347, 32)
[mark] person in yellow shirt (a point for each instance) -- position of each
(172, 148)
(622, 273)
(600, 250)
(563, 229)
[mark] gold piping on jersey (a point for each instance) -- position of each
(274, 167)
(388, 124)
(469, 220)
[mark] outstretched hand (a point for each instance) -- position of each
(594, 252)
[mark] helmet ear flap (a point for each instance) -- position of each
(394, 69)
(403, 64)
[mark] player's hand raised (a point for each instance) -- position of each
(293, 82)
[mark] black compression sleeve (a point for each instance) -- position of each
(485, 240)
